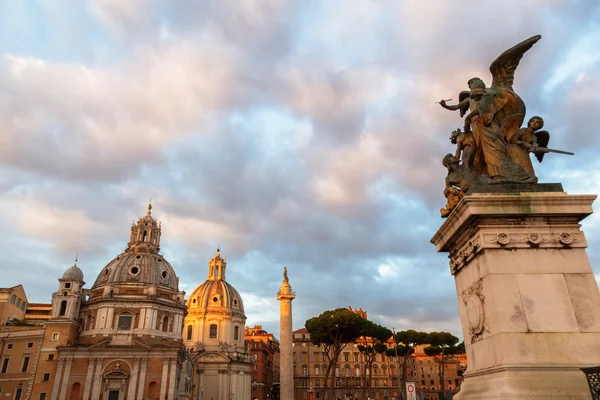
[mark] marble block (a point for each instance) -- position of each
(528, 300)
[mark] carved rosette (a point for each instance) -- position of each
(473, 301)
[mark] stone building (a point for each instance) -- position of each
(310, 365)
(13, 303)
(122, 337)
(19, 356)
(264, 351)
(214, 335)
(38, 313)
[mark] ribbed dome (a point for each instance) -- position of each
(215, 294)
(133, 266)
(73, 273)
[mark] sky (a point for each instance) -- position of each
(289, 133)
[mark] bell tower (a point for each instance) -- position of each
(66, 302)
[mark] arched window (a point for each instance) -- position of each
(144, 236)
(216, 270)
(165, 324)
(212, 333)
(236, 333)
(76, 391)
(153, 390)
(189, 332)
(63, 308)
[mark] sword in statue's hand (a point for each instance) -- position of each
(547, 150)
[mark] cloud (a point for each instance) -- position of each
(288, 134)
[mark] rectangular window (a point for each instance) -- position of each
(18, 303)
(356, 357)
(346, 355)
(4, 365)
(46, 377)
(29, 345)
(212, 332)
(13, 299)
(236, 332)
(51, 356)
(55, 336)
(67, 285)
(25, 364)
(125, 322)
(42, 396)
(9, 346)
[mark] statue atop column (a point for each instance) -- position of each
(493, 148)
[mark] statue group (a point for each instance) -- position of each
(493, 147)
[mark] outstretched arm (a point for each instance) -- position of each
(456, 106)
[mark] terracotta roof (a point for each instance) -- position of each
(301, 330)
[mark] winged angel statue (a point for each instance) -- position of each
(493, 148)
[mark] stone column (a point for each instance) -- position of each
(66, 376)
(57, 378)
(286, 354)
(140, 393)
(163, 382)
(97, 379)
(172, 376)
(528, 300)
(133, 380)
(88, 379)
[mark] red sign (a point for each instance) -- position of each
(310, 395)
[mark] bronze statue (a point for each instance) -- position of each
(493, 148)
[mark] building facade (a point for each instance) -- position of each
(264, 351)
(310, 366)
(214, 336)
(120, 339)
(13, 303)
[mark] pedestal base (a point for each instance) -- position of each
(522, 382)
(527, 297)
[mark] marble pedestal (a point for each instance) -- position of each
(528, 300)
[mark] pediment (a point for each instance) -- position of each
(116, 374)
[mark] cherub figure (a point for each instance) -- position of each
(465, 147)
(526, 140)
(457, 183)
(453, 195)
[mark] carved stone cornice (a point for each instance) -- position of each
(501, 210)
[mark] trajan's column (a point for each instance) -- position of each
(285, 296)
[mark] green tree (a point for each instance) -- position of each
(403, 351)
(334, 329)
(374, 342)
(442, 346)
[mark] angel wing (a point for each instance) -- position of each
(503, 68)
(465, 94)
(542, 138)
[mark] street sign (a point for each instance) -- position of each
(411, 393)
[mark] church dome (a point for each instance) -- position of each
(136, 267)
(141, 262)
(216, 292)
(73, 273)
